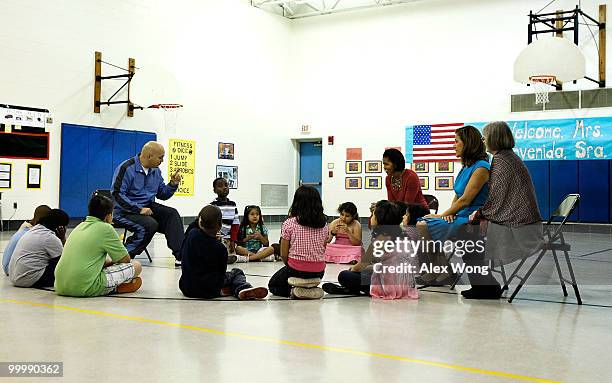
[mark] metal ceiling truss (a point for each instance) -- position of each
(296, 9)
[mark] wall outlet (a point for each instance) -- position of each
(15, 205)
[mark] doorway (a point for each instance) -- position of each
(311, 166)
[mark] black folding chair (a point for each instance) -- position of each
(432, 202)
(117, 225)
(553, 241)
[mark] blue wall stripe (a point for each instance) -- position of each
(593, 186)
(540, 175)
(563, 181)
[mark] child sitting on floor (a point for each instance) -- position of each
(38, 251)
(302, 248)
(39, 213)
(204, 263)
(94, 261)
(231, 221)
(253, 236)
(379, 282)
(347, 233)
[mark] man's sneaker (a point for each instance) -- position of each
(253, 293)
(177, 263)
(129, 287)
(242, 258)
(231, 259)
(226, 291)
(300, 282)
(332, 288)
(304, 293)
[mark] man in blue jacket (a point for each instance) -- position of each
(136, 184)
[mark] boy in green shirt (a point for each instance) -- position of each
(84, 269)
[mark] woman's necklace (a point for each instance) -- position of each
(396, 182)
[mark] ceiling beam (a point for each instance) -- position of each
(292, 10)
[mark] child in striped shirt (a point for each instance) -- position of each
(230, 220)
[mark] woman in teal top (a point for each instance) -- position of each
(471, 191)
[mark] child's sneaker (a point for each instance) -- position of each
(269, 258)
(129, 287)
(304, 293)
(242, 258)
(253, 293)
(300, 282)
(332, 288)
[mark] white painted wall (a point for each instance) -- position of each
(253, 78)
(231, 62)
(366, 75)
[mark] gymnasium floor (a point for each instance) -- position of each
(157, 335)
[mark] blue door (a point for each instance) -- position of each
(310, 164)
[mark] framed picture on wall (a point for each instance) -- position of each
(424, 183)
(34, 176)
(444, 167)
(373, 166)
(353, 167)
(444, 183)
(353, 154)
(421, 167)
(6, 175)
(230, 173)
(225, 151)
(352, 183)
(373, 182)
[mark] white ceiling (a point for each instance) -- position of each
(295, 9)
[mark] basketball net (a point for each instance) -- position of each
(542, 85)
(171, 114)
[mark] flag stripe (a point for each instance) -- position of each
(436, 156)
(443, 130)
(437, 142)
(436, 160)
(458, 124)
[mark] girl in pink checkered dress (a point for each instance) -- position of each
(302, 247)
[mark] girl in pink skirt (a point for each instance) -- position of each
(385, 274)
(344, 240)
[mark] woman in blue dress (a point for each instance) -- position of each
(471, 192)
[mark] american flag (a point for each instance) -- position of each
(432, 143)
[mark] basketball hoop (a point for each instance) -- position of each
(558, 57)
(542, 85)
(171, 113)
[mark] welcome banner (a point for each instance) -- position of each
(562, 139)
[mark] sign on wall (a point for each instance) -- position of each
(182, 158)
(561, 139)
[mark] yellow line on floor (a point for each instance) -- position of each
(284, 342)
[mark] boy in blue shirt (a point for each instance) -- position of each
(204, 263)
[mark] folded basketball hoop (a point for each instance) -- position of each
(547, 62)
(171, 113)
